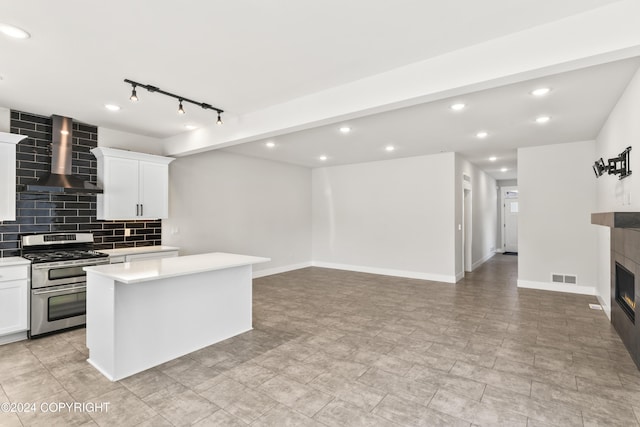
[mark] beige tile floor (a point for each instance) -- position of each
(336, 348)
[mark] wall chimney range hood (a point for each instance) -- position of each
(60, 179)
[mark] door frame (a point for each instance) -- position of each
(466, 225)
(503, 192)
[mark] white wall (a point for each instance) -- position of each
(223, 202)
(129, 141)
(622, 129)
(555, 235)
(5, 119)
(483, 213)
(390, 217)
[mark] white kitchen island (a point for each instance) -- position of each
(142, 314)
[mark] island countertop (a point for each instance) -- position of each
(155, 269)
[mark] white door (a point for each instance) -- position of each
(510, 219)
(13, 306)
(154, 189)
(467, 235)
(122, 198)
(7, 182)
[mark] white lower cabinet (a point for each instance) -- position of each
(152, 255)
(142, 256)
(14, 302)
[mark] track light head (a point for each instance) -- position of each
(180, 109)
(134, 95)
(219, 121)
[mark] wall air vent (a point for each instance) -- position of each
(571, 279)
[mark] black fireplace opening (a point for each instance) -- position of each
(626, 291)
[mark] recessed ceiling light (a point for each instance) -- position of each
(389, 148)
(345, 129)
(504, 170)
(457, 107)
(322, 158)
(270, 144)
(542, 91)
(493, 158)
(542, 119)
(190, 127)
(14, 32)
(111, 107)
(482, 134)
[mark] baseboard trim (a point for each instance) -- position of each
(557, 287)
(482, 261)
(18, 336)
(386, 272)
(278, 270)
(605, 306)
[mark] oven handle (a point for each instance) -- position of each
(80, 264)
(58, 290)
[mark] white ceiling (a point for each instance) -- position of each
(579, 104)
(246, 56)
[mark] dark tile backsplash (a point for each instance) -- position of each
(53, 212)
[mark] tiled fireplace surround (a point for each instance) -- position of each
(625, 250)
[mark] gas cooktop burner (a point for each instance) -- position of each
(58, 247)
(64, 255)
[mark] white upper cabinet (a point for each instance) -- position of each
(135, 185)
(8, 143)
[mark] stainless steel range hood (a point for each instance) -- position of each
(60, 179)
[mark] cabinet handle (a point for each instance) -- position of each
(137, 209)
(141, 210)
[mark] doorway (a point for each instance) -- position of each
(510, 209)
(467, 234)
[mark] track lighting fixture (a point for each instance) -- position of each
(181, 99)
(134, 95)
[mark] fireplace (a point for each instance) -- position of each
(625, 292)
(625, 264)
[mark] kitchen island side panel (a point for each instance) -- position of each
(157, 321)
(101, 323)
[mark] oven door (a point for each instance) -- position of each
(58, 307)
(61, 273)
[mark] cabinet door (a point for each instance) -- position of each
(120, 189)
(7, 182)
(13, 306)
(154, 190)
(152, 255)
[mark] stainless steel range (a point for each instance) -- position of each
(58, 282)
